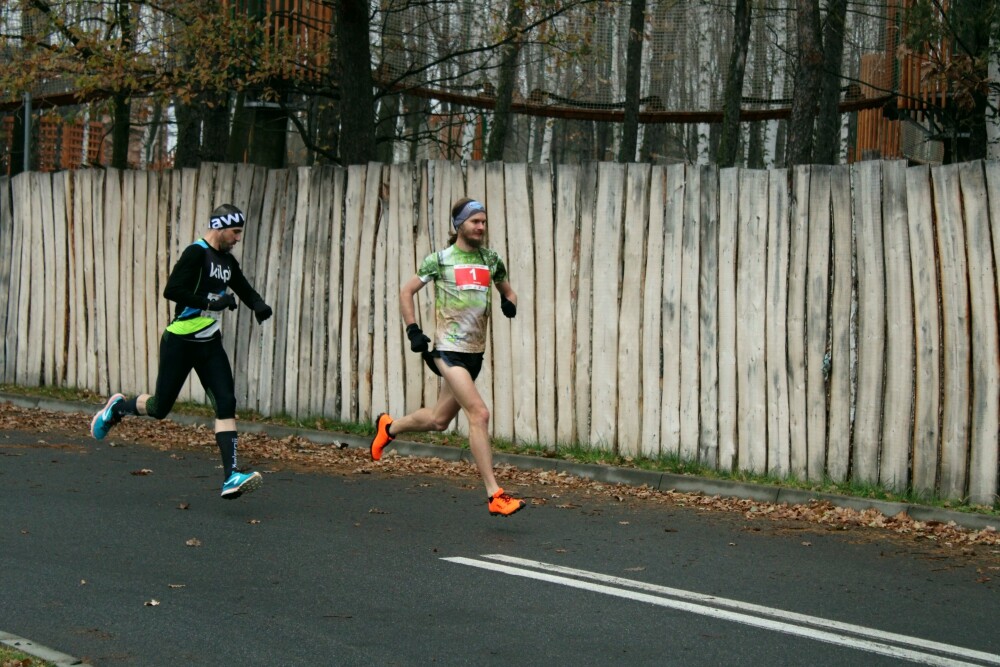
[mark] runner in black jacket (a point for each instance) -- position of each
(198, 285)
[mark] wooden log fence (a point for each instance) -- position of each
(819, 322)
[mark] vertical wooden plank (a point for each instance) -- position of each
(776, 345)
(867, 181)
(144, 294)
(74, 310)
(708, 316)
(187, 219)
(985, 388)
(101, 287)
(673, 224)
(116, 332)
(282, 249)
(629, 378)
(6, 234)
(42, 356)
(795, 326)
(353, 221)
(322, 191)
(85, 182)
(249, 189)
(899, 356)
(690, 318)
(993, 204)
(413, 247)
(501, 328)
(817, 330)
(18, 190)
(127, 268)
(399, 265)
(10, 275)
(750, 332)
(386, 218)
(839, 430)
(332, 393)
(543, 305)
(927, 361)
(47, 288)
(297, 227)
(729, 198)
(652, 318)
(143, 256)
(370, 220)
(25, 215)
(585, 301)
(521, 240)
(423, 245)
(62, 324)
(954, 332)
(267, 364)
(566, 274)
(311, 326)
(607, 265)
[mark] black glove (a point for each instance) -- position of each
(227, 300)
(508, 307)
(418, 341)
(261, 311)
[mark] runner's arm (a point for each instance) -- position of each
(506, 291)
(184, 279)
(407, 309)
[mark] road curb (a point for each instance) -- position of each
(660, 481)
(41, 652)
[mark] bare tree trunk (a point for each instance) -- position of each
(756, 150)
(807, 82)
(633, 81)
(215, 128)
(121, 102)
(505, 86)
(828, 122)
(357, 139)
(729, 143)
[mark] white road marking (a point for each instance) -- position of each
(768, 618)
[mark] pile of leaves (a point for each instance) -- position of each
(539, 486)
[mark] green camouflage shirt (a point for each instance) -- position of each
(462, 295)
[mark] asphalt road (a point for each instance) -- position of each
(365, 569)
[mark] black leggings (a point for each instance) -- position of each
(208, 359)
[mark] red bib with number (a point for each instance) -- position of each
(472, 276)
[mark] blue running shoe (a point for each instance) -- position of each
(240, 483)
(107, 418)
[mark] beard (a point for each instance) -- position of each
(471, 239)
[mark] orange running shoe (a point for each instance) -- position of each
(502, 504)
(382, 437)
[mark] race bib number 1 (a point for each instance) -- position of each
(472, 276)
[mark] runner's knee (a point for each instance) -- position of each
(479, 415)
(225, 407)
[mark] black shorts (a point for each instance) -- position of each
(470, 361)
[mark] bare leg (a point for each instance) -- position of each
(429, 419)
(461, 387)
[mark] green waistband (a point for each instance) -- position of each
(188, 327)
